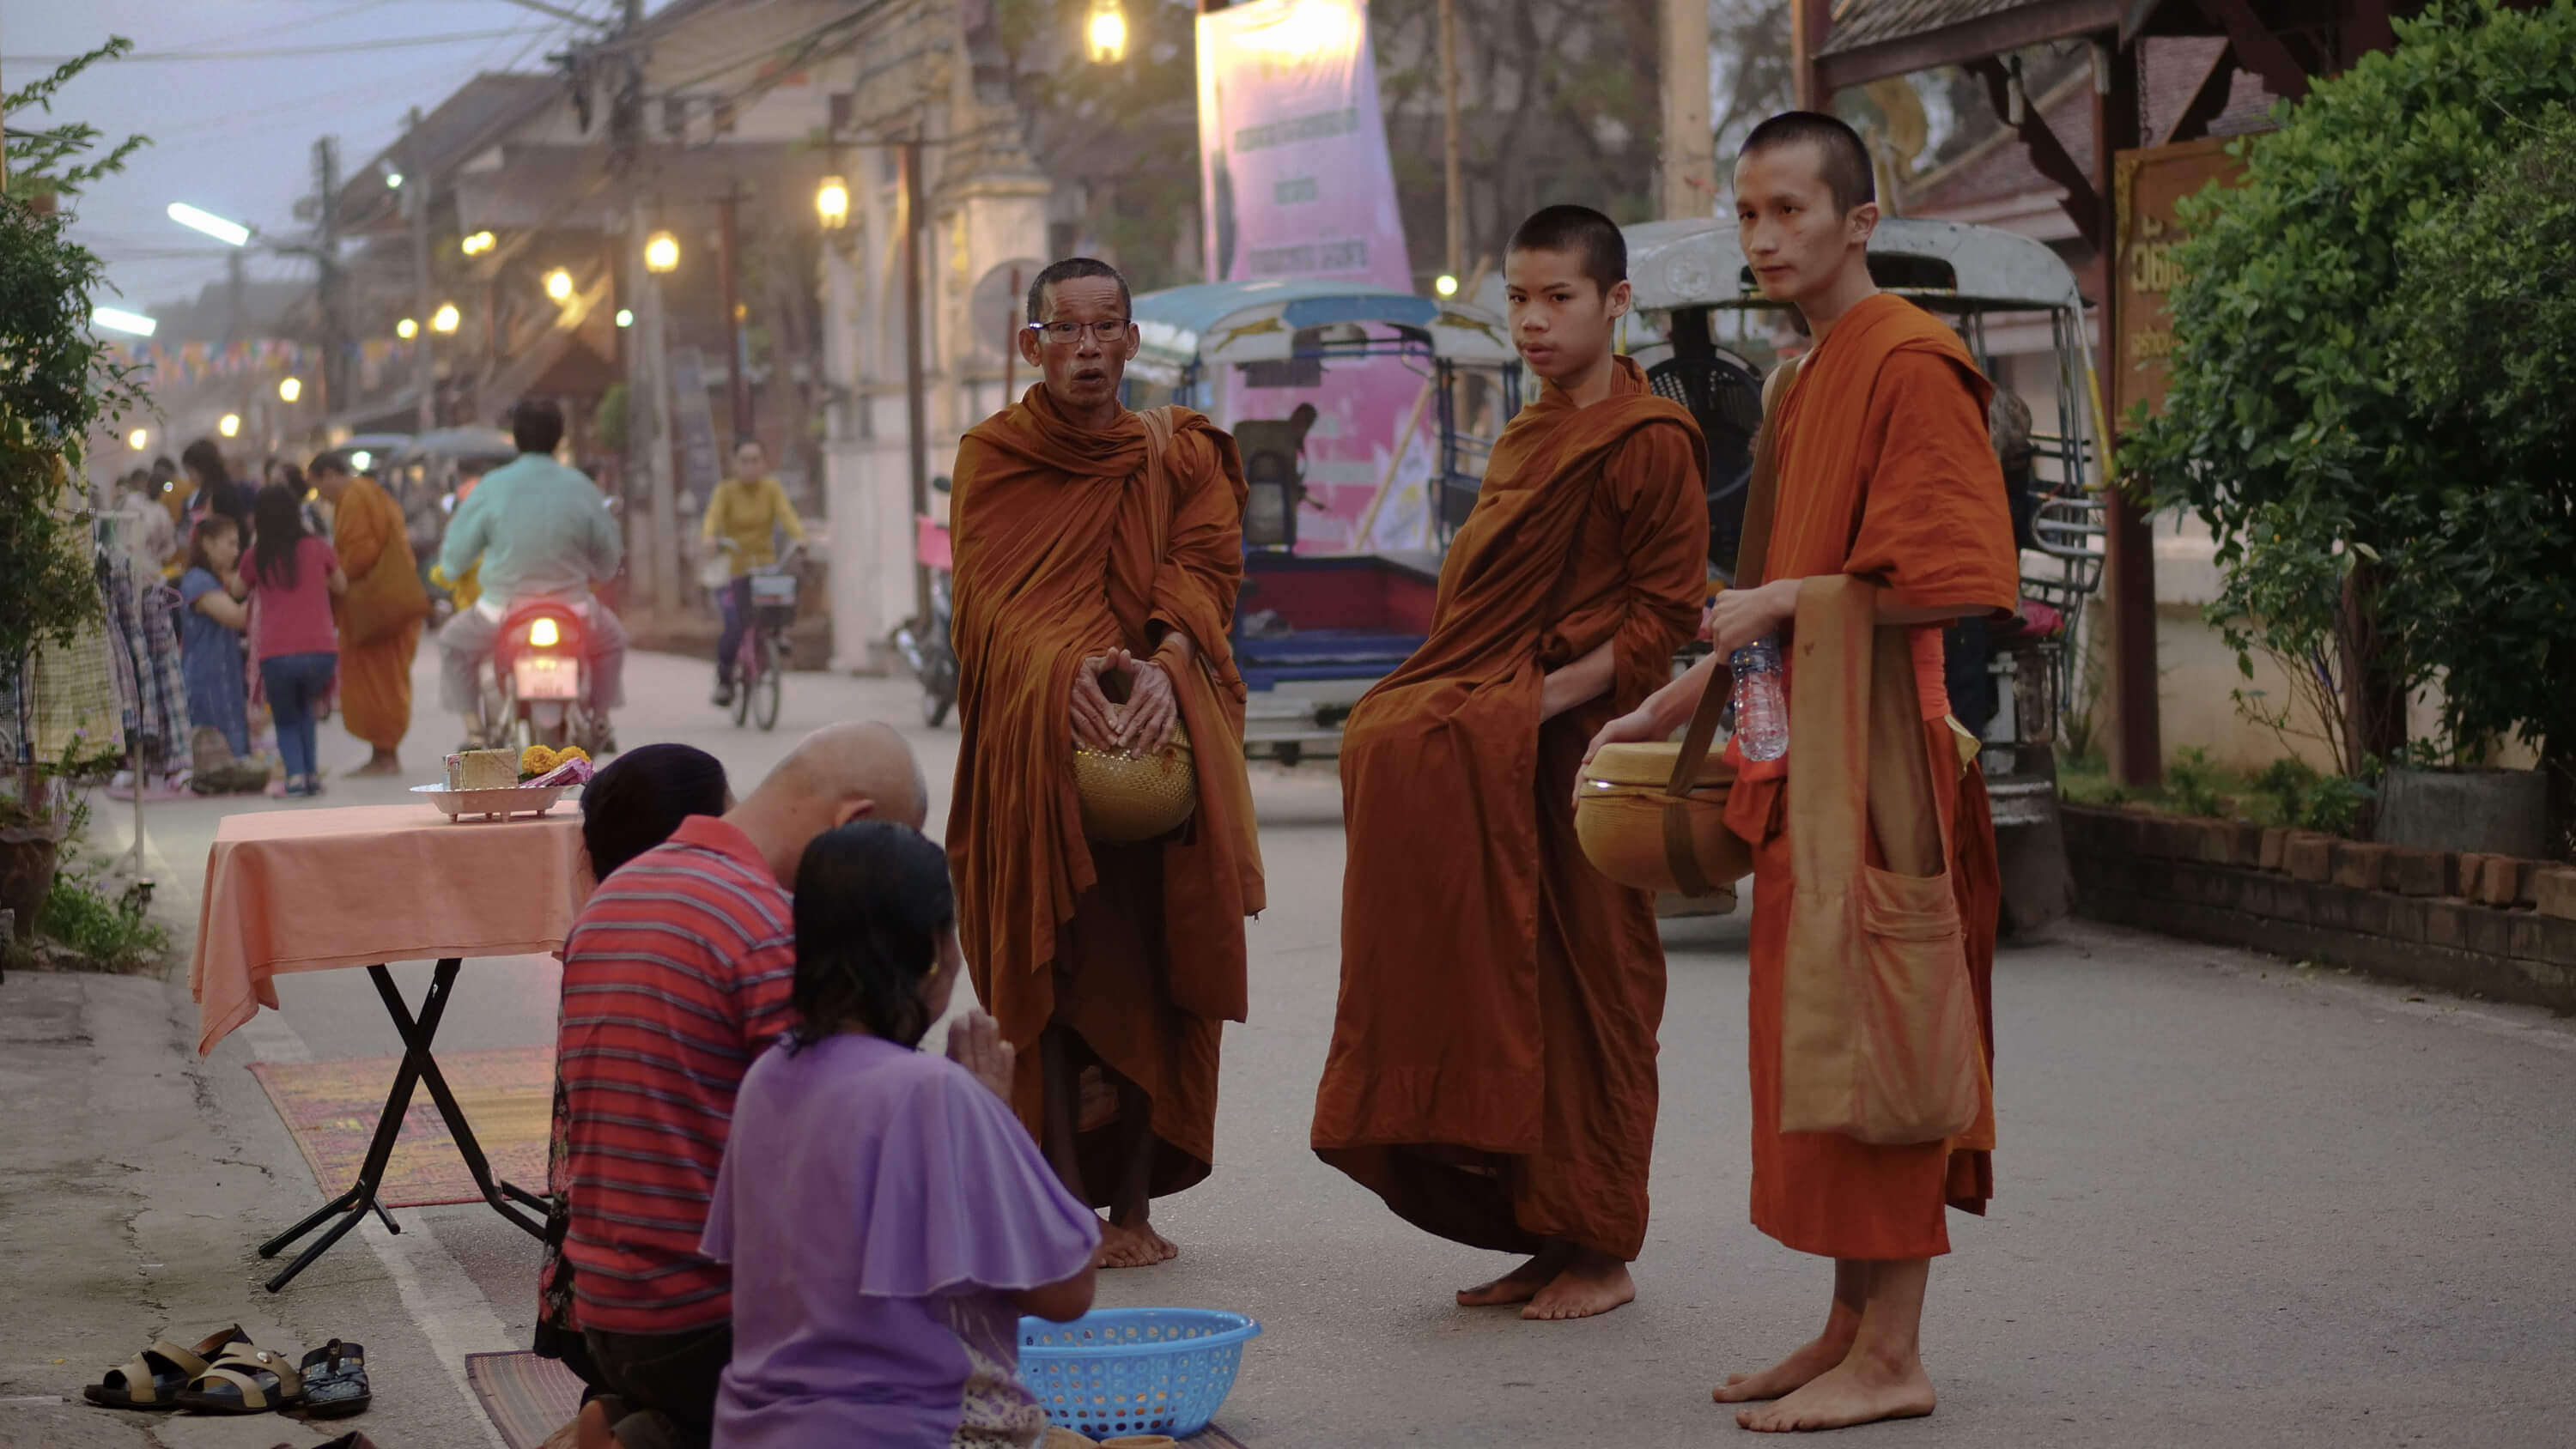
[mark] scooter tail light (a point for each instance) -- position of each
(544, 635)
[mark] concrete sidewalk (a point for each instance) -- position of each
(2240, 1203)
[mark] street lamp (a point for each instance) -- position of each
(1106, 32)
(407, 329)
(661, 252)
(832, 203)
(393, 181)
(137, 439)
(444, 320)
(289, 389)
(478, 243)
(625, 316)
(117, 319)
(1446, 286)
(229, 425)
(559, 285)
(230, 233)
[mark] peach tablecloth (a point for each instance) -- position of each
(310, 890)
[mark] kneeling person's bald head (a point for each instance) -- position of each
(862, 770)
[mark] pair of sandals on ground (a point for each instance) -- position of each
(228, 1374)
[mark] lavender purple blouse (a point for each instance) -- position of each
(878, 1205)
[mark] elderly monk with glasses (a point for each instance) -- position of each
(1097, 556)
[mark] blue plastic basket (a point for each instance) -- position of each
(1120, 1371)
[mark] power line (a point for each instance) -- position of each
(285, 52)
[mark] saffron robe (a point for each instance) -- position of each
(380, 617)
(1066, 545)
(1886, 474)
(1492, 1070)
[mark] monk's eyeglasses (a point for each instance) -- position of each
(1070, 334)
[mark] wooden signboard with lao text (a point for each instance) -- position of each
(2148, 182)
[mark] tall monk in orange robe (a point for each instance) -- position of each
(1885, 476)
(1492, 1071)
(380, 616)
(1098, 552)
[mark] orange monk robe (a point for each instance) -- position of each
(1066, 546)
(1885, 421)
(1492, 1071)
(380, 617)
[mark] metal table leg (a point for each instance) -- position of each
(418, 1067)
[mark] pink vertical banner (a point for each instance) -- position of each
(1296, 183)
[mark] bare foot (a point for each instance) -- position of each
(382, 764)
(1519, 1285)
(1592, 1283)
(1856, 1391)
(1139, 1246)
(1785, 1377)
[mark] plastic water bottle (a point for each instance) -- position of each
(1761, 711)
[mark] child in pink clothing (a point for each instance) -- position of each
(293, 577)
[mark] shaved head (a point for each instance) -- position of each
(863, 760)
(1840, 157)
(1593, 240)
(839, 773)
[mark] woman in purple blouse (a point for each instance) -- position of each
(887, 1218)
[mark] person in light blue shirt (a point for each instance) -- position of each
(537, 528)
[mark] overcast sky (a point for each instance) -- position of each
(234, 133)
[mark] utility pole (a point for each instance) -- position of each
(737, 345)
(415, 200)
(1687, 178)
(1453, 259)
(916, 393)
(656, 556)
(326, 258)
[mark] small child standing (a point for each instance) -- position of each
(293, 575)
(210, 632)
(887, 1218)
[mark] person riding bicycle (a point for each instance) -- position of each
(540, 529)
(744, 514)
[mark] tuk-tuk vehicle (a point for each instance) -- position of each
(1313, 631)
(1983, 282)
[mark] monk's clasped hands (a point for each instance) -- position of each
(1144, 724)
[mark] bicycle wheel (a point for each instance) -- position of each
(773, 672)
(746, 678)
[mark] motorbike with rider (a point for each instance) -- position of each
(539, 535)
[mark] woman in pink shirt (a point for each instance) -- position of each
(292, 577)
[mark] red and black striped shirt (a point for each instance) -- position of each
(676, 976)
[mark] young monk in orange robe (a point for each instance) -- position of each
(381, 615)
(1492, 1072)
(1094, 544)
(1885, 475)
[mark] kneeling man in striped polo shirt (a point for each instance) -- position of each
(676, 976)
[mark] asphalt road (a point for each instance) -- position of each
(2241, 1201)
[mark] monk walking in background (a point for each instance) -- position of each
(1098, 552)
(1492, 1071)
(380, 616)
(1885, 478)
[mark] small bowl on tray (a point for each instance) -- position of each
(493, 804)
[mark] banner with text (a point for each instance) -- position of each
(1296, 183)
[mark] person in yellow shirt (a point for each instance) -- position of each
(744, 515)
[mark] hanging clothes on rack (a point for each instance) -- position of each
(146, 649)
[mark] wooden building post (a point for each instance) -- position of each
(2129, 572)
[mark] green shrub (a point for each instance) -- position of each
(2387, 283)
(2192, 784)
